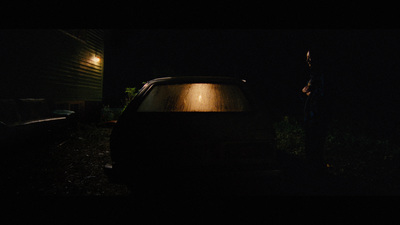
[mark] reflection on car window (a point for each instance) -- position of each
(196, 97)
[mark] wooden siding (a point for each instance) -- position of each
(52, 64)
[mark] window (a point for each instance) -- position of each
(196, 97)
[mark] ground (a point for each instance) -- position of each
(68, 165)
(72, 163)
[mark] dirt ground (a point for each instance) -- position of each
(72, 163)
(67, 164)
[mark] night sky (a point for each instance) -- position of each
(361, 66)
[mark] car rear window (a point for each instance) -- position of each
(195, 97)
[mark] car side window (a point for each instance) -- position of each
(195, 97)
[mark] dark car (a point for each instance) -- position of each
(204, 132)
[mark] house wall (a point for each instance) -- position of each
(64, 67)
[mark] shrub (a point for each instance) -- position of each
(130, 94)
(290, 136)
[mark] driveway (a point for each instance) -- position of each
(71, 164)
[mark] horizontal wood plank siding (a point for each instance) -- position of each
(52, 64)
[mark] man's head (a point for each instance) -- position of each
(313, 60)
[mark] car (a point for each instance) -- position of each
(27, 121)
(202, 131)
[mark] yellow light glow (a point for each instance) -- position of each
(194, 97)
(96, 59)
(206, 96)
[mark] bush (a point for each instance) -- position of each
(290, 136)
(346, 150)
(130, 95)
(357, 154)
(108, 114)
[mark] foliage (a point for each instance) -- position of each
(290, 136)
(355, 153)
(348, 152)
(108, 114)
(114, 113)
(130, 92)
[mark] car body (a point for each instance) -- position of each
(31, 120)
(202, 129)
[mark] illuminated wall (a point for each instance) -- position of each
(58, 65)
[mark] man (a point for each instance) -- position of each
(314, 117)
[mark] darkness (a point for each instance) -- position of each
(361, 69)
(360, 66)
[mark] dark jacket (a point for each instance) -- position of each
(314, 106)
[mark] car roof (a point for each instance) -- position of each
(195, 79)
